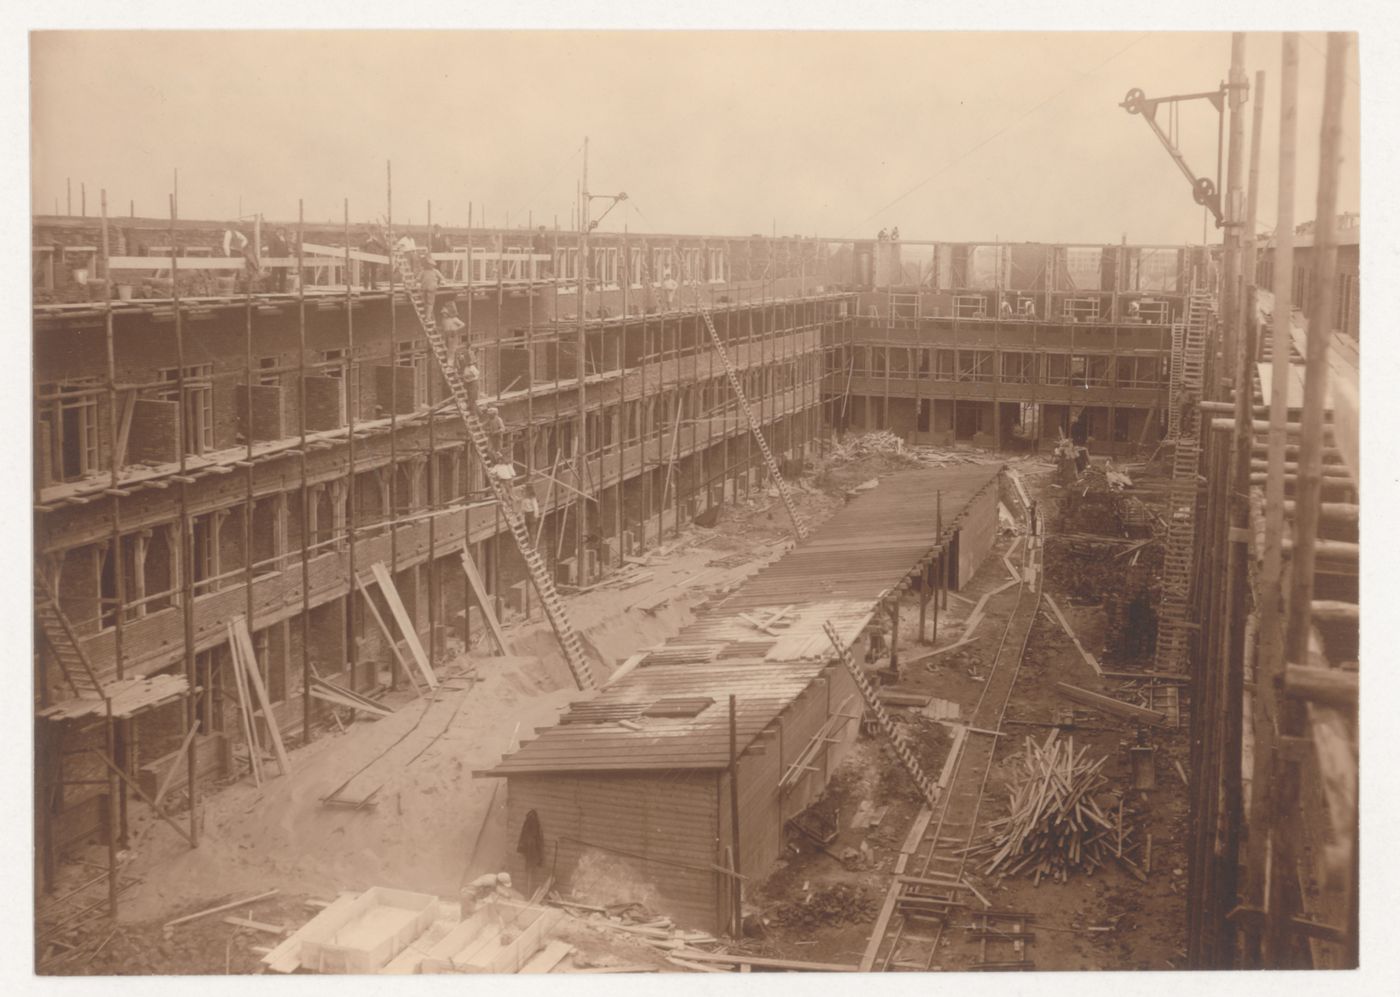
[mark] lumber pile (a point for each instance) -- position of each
(635, 922)
(1056, 826)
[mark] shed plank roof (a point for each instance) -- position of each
(838, 576)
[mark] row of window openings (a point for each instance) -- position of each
(72, 423)
(1021, 368)
(687, 265)
(151, 572)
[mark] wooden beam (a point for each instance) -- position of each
(142, 794)
(245, 641)
(410, 635)
(389, 637)
(1110, 705)
(175, 764)
(1329, 686)
(731, 959)
(231, 905)
(124, 432)
(484, 599)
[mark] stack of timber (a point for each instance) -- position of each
(1056, 826)
(387, 931)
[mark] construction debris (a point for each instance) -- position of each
(838, 903)
(1056, 826)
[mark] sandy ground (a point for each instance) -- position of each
(429, 809)
(429, 813)
(1145, 921)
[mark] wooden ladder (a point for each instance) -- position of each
(67, 651)
(466, 409)
(926, 786)
(799, 527)
(1188, 366)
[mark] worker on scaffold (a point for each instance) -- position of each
(468, 371)
(495, 427)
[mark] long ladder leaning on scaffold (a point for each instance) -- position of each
(926, 786)
(799, 527)
(1188, 366)
(539, 572)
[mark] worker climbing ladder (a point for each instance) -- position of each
(58, 634)
(466, 408)
(1173, 628)
(926, 786)
(798, 525)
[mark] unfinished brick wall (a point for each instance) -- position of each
(324, 403)
(155, 433)
(265, 420)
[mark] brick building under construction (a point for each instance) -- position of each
(251, 486)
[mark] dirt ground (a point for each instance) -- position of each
(421, 831)
(1105, 921)
(432, 825)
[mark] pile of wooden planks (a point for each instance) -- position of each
(1056, 826)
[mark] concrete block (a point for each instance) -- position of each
(628, 542)
(590, 565)
(566, 571)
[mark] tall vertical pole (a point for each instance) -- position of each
(352, 404)
(1319, 339)
(1234, 206)
(393, 469)
(736, 863)
(109, 337)
(1236, 496)
(432, 481)
(186, 543)
(467, 449)
(1308, 492)
(1267, 765)
(581, 365)
(250, 569)
(306, 537)
(114, 789)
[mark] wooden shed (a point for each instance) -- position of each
(638, 780)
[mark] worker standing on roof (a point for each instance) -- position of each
(540, 247)
(669, 285)
(237, 244)
(372, 244)
(439, 241)
(278, 248)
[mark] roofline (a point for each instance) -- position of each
(199, 224)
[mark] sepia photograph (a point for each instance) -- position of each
(589, 501)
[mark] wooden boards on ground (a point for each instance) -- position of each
(1110, 705)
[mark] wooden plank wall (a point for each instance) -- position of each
(978, 531)
(763, 808)
(667, 816)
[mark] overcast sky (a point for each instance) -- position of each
(950, 136)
